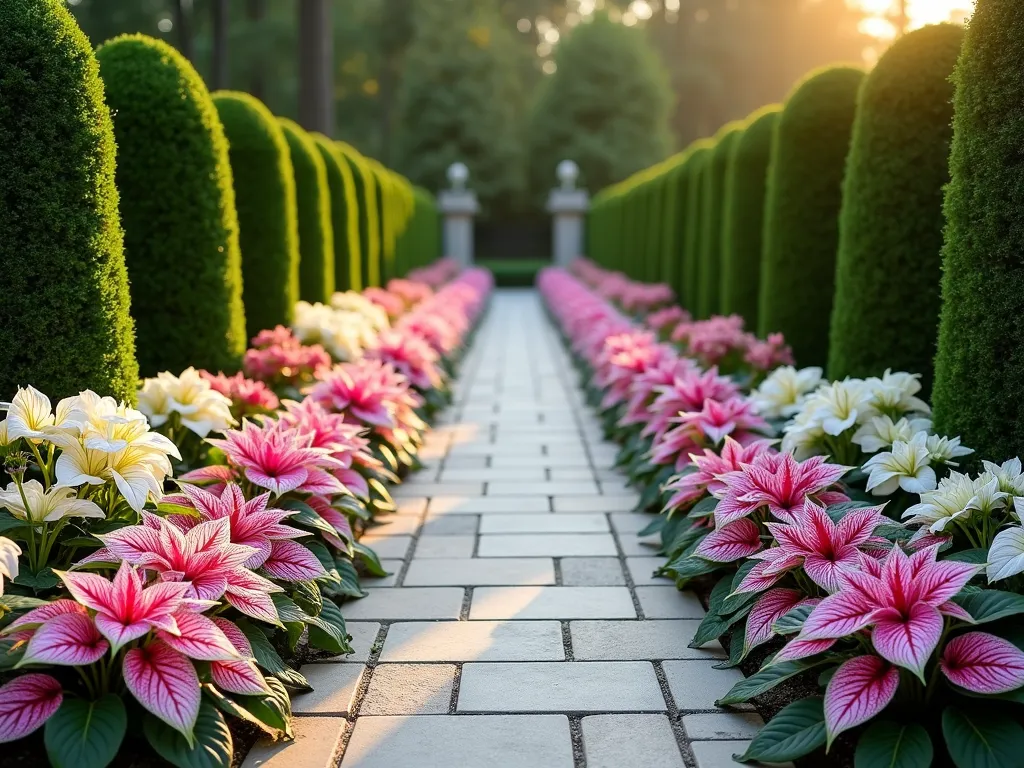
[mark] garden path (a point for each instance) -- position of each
(520, 626)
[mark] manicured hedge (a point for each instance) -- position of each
(265, 197)
(369, 223)
(979, 370)
(177, 207)
(64, 302)
(889, 266)
(674, 201)
(313, 200)
(802, 211)
(344, 215)
(694, 223)
(711, 229)
(743, 216)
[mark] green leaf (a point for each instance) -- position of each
(42, 580)
(326, 560)
(890, 745)
(369, 560)
(307, 595)
(654, 526)
(765, 679)
(838, 511)
(793, 621)
(85, 734)
(262, 711)
(306, 516)
(736, 600)
(703, 508)
(268, 659)
(797, 730)
(973, 556)
(328, 632)
(20, 602)
(690, 566)
(982, 739)
(713, 626)
(213, 747)
(349, 578)
(991, 604)
(737, 649)
(9, 522)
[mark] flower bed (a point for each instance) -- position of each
(171, 566)
(869, 589)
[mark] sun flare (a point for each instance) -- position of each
(884, 14)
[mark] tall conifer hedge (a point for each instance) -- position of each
(711, 228)
(344, 215)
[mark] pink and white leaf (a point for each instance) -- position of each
(983, 663)
(741, 538)
(860, 689)
(26, 703)
(838, 615)
(240, 677)
(44, 613)
(907, 640)
(70, 640)
(199, 638)
(768, 609)
(291, 561)
(165, 683)
(798, 648)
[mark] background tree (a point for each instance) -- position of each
(460, 100)
(64, 307)
(606, 107)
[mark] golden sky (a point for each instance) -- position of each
(919, 13)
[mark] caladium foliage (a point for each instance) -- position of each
(26, 703)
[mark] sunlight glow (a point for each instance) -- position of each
(884, 14)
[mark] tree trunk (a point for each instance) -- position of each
(256, 10)
(219, 66)
(181, 23)
(316, 66)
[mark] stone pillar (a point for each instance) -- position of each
(568, 207)
(458, 205)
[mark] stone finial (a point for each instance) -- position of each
(567, 173)
(458, 175)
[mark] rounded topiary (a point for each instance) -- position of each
(802, 211)
(889, 266)
(267, 217)
(313, 202)
(743, 216)
(177, 207)
(711, 229)
(694, 222)
(344, 215)
(64, 304)
(979, 369)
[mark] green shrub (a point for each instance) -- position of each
(694, 221)
(344, 215)
(979, 369)
(265, 198)
(313, 208)
(802, 211)
(366, 200)
(64, 304)
(889, 266)
(673, 200)
(711, 229)
(743, 216)
(177, 207)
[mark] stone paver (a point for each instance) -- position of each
(474, 641)
(471, 572)
(438, 741)
(553, 687)
(409, 689)
(552, 603)
(547, 545)
(516, 576)
(614, 741)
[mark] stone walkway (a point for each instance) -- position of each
(520, 626)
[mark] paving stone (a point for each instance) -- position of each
(451, 525)
(697, 684)
(558, 459)
(547, 545)
(614, 741)
(559, 686)
(544, 523)
(636, 547)
(642, 570)
(600, 504)
(364, 635)
(406, 603)
(716, 754)
(414, 505)
(431, 490)
(474, 641)
(471, 572)
(480, 505)
(409, 689)
(506, 488)
(333, 688)
(722, 725)
(465, 462)
(392, 566)
(395, 525)
(388, 546)
(625, 640)
(552, 603)
(448, 741)
(315, 744)
(493, 450)
(591, 572)
(444, 546)
(669, 603)
(572, 474)
(630, 523)
(516, 474)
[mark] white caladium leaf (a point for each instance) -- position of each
(1006, 555)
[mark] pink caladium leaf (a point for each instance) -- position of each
(907, 639)
(291, 561)
(860, 689)
(23, 627)
(759, 578)
(199, 638)
(165, 683)
(240, 676)
(837, 615)
(26, 703)
(983, 663)
(801, 649)
(732, 542)
(771, 606)
(253, 603)
(70, 640)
